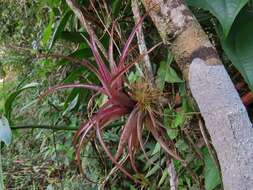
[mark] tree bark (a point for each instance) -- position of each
(225, 116)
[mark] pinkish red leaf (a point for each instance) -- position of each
(131, 149)
(101, 65)
(126, 133)
(128, 42)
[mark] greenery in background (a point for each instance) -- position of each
(35, 31)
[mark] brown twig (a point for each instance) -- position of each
(210, 150)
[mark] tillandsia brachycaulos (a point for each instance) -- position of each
(139, 102)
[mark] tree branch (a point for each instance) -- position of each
(147, 67)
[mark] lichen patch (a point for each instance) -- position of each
(177, 16)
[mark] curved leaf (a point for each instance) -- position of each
(13, 95)
(239, 45)
(224, 10)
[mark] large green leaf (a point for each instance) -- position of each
(211, 172)
(9, 101)
(5, 131)
(166, 73)
(239, 45)
(224, 10)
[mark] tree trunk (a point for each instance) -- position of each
(220, 105)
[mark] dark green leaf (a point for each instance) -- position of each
(75, 37)
(116, 7)
(224, 10)
(166, 74)
(239, 45)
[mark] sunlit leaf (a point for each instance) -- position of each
(211, 172)
(48, 30)
(5, 131)
(71, 105)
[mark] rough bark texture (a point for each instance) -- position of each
(225, 116)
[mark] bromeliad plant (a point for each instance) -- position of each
(139, 102)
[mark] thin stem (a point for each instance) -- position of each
(201, 126)
(141, 42)
(56, 128)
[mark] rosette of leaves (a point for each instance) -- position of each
(139, 103)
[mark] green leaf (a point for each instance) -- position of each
(48, 30)
(76, 37)
(239, 45)
(5, 131)
(224, 10)
(71, 105)
(181, 145)
(163, 178)
(153, 170)
(168, 121)
(172, 133)
(60, 26)
(178, 120)
(211, 172)
(9, 101)
(2, 72)
(156, 149)
(116, 7)
(166, 73)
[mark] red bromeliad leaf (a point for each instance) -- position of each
(131, 150)
(101, 65)
(103, 116)
(139, 135)
(112, 63)
(124, 69)
(128, 42)
(127, 131)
